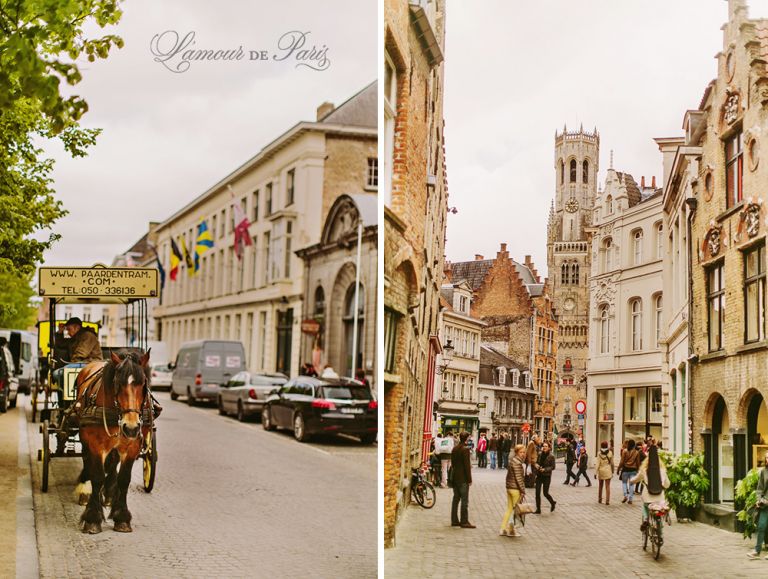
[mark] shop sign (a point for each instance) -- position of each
(310, 326)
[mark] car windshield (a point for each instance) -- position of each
(267, 381)
(161, 367)
(347, 392)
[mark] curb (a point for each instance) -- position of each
(27, 564)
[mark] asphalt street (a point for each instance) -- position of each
(230, 500)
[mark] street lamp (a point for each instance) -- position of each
(446, 358)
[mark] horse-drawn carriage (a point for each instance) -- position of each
(101, 411)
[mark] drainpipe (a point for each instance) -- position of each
(691, 203)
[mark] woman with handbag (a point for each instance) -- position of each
(515, 490)
(761, 494)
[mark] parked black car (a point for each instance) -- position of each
(323, 405)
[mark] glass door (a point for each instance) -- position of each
(725, 443)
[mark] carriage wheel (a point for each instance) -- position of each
(34, 403)
(150, 460)
(46, 456)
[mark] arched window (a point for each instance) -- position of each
(605, 330)
(353, 361)
(608, 205)
(607, 255)
(659, 240)
(575, 274)
(573, 170)
(659, 308)
(564, 274)
(637, 246)
(585, 172)
(319, 301)
(562, 172)
(636, 311)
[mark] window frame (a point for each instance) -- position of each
(716, 295)
(637, 247)
(757, 279)
(636, 324)
(734, 189)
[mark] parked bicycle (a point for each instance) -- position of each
(658, 514)
(421, 490)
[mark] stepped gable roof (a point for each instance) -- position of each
(633, 191)
(359, 110)
(475, 272)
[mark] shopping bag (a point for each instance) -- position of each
(530, 478)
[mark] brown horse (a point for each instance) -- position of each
(114, 397)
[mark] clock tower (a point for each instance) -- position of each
(568, 261)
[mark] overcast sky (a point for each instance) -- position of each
(517, 71)
(170, 136)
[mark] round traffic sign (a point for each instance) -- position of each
(581, 407)
(526, 427)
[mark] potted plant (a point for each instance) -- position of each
(688, 481)
(746, 495)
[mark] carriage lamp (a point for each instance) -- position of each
(446, 357)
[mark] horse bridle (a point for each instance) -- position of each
(121, 411)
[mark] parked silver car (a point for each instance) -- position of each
(244, 395)
(161, 377)
(9, 388)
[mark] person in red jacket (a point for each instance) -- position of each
(482, 451)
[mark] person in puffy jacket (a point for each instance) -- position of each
(515, 490)
(604, 472)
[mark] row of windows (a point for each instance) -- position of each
(636, 236)
(460, 386)
(513, 408)
(754, 299)
(464, 342)
(572, 175)
(635, 312)
(546, 339)
(569, 274)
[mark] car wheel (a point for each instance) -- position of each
(266, 419)
(368, 438)
(174, 396)
(299, 428)
(190, 398)
(4, 404)
(240, 412)
(221, 407)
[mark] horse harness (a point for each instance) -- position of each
(90, 414)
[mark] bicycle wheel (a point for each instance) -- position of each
(428, 496)
(418, 494)
(645, 539)
(656, 542)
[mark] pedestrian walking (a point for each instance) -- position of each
(482, 451)
(604, 472)
(583, 464)
(493, 446)
(462, 478)
(444, 447)
(630, 462)
(506, 448)
(761, 494)
(515, 490)
(570, 460)
(544, 467)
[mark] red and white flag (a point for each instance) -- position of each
(242, 236)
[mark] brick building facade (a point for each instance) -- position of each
(414, 189)
(728, 382)
(520, 321)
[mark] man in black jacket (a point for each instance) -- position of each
(544, 468)
(506, 446)
(570, 460)
(462, 478)
(583, 463)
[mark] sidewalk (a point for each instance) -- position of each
(582, 538)
(18, 558)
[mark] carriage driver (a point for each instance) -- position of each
(84, 343)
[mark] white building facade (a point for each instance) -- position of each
(624, 383)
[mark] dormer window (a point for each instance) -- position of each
(515, 377)
(502, 374)
(463, 305)
(527, 375)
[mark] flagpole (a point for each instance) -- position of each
(357, 297)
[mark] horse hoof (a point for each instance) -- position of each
(83, 500)
(92, 528)
(123, 528)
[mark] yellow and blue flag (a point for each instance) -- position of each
(204, 242)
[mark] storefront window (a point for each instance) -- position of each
(635, 405)
(642, 413)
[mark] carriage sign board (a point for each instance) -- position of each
(98, 282)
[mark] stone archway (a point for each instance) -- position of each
(719, 449)
(335, 330)
(753, 415)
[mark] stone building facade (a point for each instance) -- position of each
(519, 321)
(577, 155)
(286, 191)
(624, 382)
(415, 210)
(456, 386)
(728, 383)
(330, 271)
(507, 390)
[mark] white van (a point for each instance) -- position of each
(201, 368)
(23, 347)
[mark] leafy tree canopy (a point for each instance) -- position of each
(16, 308)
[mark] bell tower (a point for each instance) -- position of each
(568, 260)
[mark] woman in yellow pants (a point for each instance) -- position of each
(515, 490)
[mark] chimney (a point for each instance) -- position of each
(527, 261)
(324, 109)
(503, 247)
(642, 182)
(653, 181)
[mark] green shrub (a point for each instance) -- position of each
(746, 495)
(688, 479)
